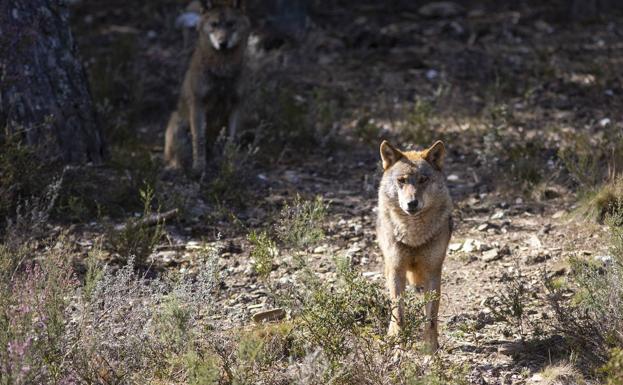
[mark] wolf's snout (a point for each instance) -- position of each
(413, 205)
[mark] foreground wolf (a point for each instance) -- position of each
(211, 92)
(414, 227)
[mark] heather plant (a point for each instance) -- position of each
(94, 272)
(31, 215)
(133, 328)
(32, 321)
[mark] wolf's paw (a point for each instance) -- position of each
(431, 342)
(199, 172)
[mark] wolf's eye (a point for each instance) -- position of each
(402, 180)
(423, 179)
(229, 24)
(214, 24)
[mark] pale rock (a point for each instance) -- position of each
(441, 9)
(491, 255)
(269, 315)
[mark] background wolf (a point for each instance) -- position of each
(211, 91)
(414, 227)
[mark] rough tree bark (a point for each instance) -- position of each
(44, 94)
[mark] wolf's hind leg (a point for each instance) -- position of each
(172, 159)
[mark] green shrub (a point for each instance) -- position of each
(264, 251)
(418, 124)
(300, 223)
(580, 161)
(283, 123)
(604, 202)
(367, 130)
(23, 174)
(593, 318)
(230, 181)
(202, 369)
(265, 344)
(331, 315)
(138, 236)
(437, 373)
(511, 305)
(93, 274)
(613, 369)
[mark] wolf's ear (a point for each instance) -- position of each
(436, 155)
(208, 5)
(389, 154)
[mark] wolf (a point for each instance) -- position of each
(414, 226)
(211, 92)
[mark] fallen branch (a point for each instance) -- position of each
(151, 220)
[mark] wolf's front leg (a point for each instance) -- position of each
(198, 131)
(232, 124)
(172, 156)
(396, 282)
(432, 284)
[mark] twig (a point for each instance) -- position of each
(151, 220)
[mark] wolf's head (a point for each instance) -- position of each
(225, 25)
(413, 180)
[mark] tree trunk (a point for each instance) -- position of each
(44, 94)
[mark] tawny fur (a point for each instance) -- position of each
(211, 91)
(413, 228)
